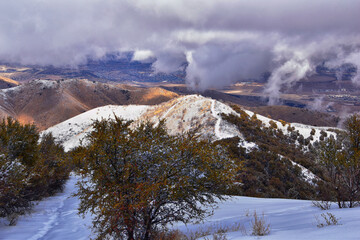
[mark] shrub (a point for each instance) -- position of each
(138, 180)
(312, 133)
(273, 124)
(283, 123)
(28, 171)
(259, 225)
(323, 205)
(327, 220)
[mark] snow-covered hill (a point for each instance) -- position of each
(56, 219)
(181, 115)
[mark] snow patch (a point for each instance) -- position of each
(222, 128)
(249, 146)
(307, 174)
(72, 131)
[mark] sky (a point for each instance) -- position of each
(223, 40)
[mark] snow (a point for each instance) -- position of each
(222, 128)
(249, 146)
(53, 218)
(307, 174)
(56, 218)
(181, 114)
(73, 130)
(288, 219)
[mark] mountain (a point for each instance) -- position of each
(46, 102)
(291, 111)
(250, 137)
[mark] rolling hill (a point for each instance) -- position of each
(47, 103)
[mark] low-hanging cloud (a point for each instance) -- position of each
(223, 41)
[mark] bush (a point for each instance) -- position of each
(138, 180)
(328, 219)
(312, 133)
(259, 225)
(323, 205)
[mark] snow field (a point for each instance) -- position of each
(56, 218)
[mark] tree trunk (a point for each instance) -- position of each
(130, 236)
(147, 230)
(338, 198)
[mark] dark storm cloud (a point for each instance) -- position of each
(224, 41)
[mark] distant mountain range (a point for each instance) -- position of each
(112, 67)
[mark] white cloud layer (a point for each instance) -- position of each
(225, 41)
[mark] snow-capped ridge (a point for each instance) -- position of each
(181, 114)
(73, 130)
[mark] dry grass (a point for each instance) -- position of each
(259, 225)
(323, 205)
(327, 219)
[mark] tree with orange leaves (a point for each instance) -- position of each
(137, 180)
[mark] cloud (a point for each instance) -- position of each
(143, 55)
(224, 41)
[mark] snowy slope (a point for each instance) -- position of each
(56, 219)
(302, 128)
(71, 131)
(182, 114)
(289, 219)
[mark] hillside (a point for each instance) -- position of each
(7, 83)
(258, 142)
(299, 115)
(47, 103)
(181, 114)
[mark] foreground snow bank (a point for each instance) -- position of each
(288, 219)
(56, 218)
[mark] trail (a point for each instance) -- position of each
(53, 218)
